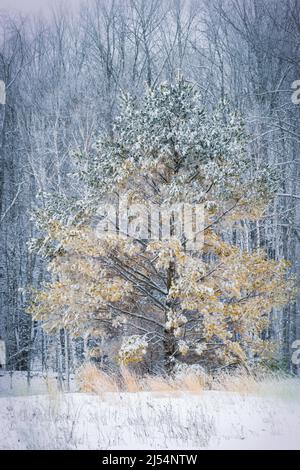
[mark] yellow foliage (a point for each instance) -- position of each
(228, 293)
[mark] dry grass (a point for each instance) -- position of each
(192, 383)
(263, 383)
(156, 383)
(130, 381)
(52, 386)
(92, 379)
(238, 382)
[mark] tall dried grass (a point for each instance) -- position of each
(130, 381)
(193, 383)
(258, 382)
(93, 380)
(237, 382)
(158, 383)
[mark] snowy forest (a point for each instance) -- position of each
(90, 95)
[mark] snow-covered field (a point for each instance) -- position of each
(176, 420)
(40, 383)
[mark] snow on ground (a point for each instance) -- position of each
(17, 383)
(206, 420)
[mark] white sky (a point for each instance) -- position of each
(34, 6)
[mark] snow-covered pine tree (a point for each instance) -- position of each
(209, 306)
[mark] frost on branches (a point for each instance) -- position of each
(163, 303)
